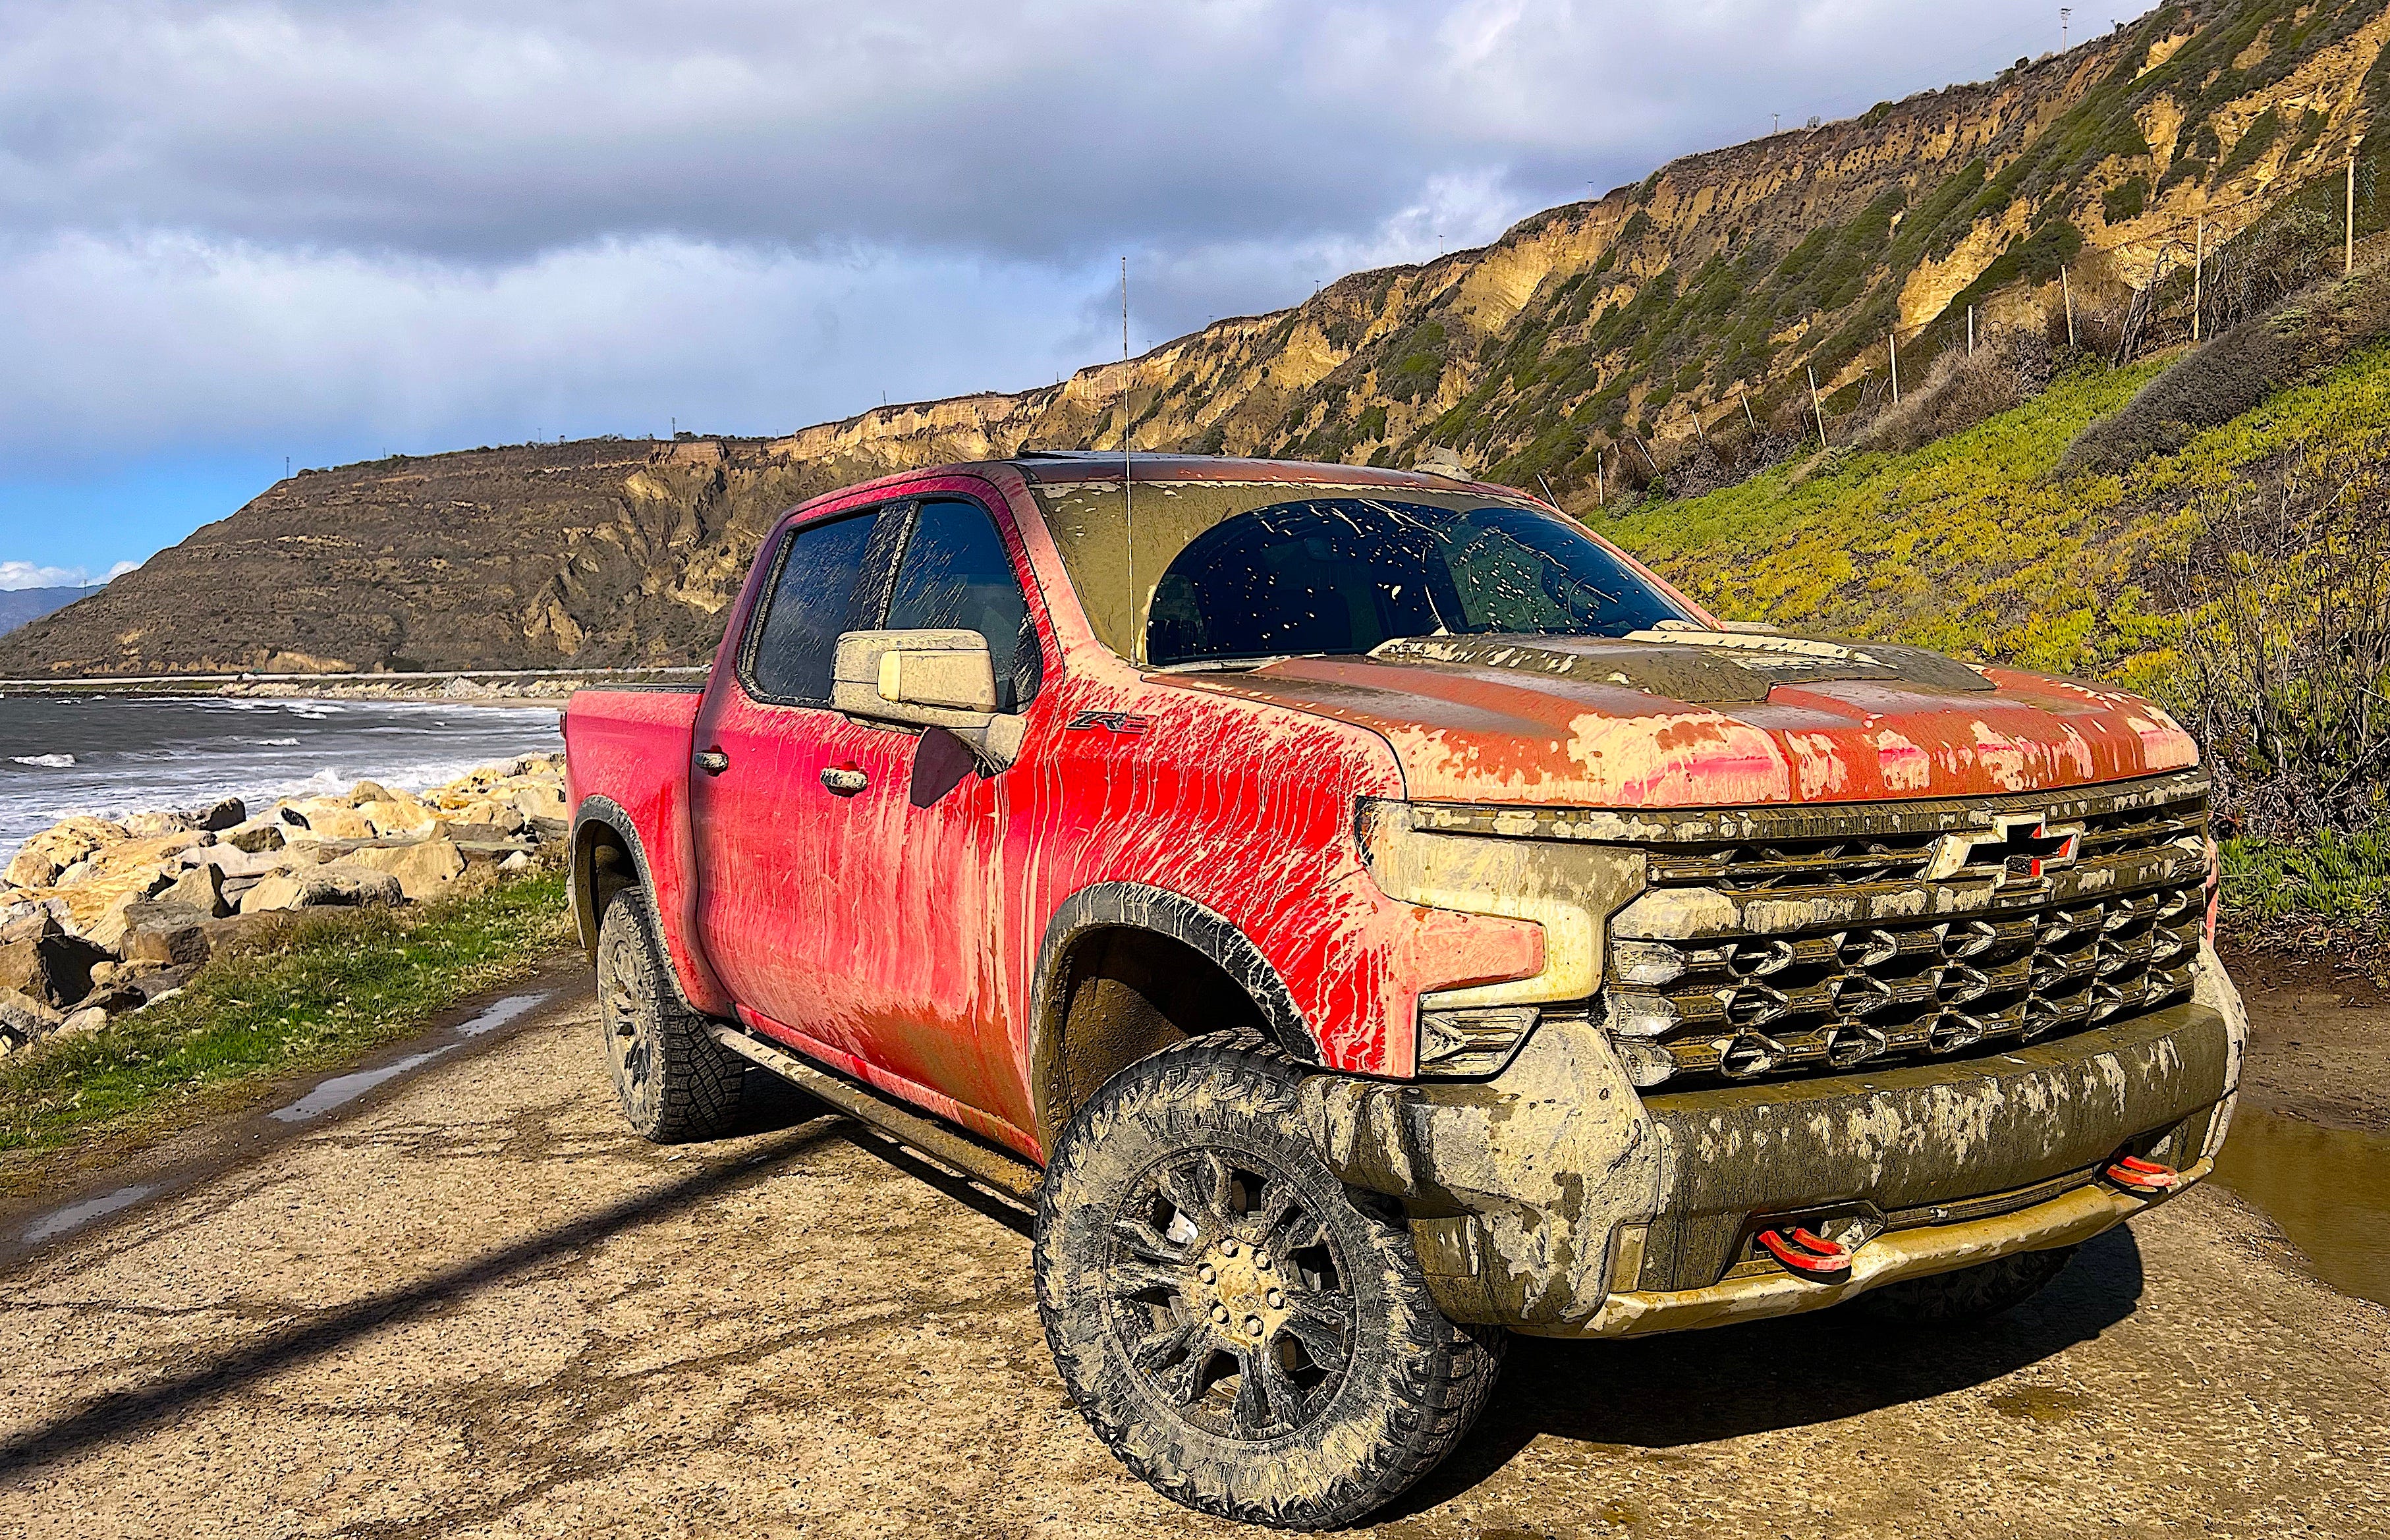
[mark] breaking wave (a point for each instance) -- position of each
(45, 761)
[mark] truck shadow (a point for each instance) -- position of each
(1697, 1387)
(121, 1414)
(767, 1102)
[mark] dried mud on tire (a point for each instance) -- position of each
(1410, 1384)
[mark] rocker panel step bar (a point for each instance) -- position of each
(1004, 1172)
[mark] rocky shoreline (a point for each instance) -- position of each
(101, 916)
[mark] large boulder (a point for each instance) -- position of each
(200, 888)
(328, 818)
(31, 868)
(338, 883)
(62, 846)
(53, 968)
(424, 867)
(165, 934)
(231, 813)
(251, 839)
(81, 1023)
(398, 813)
(150, 825)
(25, 1018)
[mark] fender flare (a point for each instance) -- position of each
(1138, 907)
(606, 813)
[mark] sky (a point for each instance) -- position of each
(240, 236)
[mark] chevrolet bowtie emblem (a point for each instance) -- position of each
(2017, 849)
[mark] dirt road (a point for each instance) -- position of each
(482, 1308)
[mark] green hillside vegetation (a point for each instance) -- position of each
(1604, 356)
(2241, 573)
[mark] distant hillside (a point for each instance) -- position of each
(1599, 338)
(20, 605)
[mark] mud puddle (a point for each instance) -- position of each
(2329, 1189)
(185, 1162)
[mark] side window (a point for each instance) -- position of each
(813, 596)
(956, 576)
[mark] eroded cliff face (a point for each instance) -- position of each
(1585, 333)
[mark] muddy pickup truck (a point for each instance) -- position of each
(1367, 916)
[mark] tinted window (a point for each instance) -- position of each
(956, 576)
(811, 596)
(1343, 574)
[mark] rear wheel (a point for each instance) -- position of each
(1976, 1293)
(1242, 1330)
(675, 1082)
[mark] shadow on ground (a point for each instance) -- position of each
(120, 1415)
(1697, 1387)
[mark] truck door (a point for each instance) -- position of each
(767, 823)
(916, 975)
(871, 925)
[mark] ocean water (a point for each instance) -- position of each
(115, 754)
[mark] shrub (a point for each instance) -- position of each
(1962, 389)
(2286, 645)
(2297, 342)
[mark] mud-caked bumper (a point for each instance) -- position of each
(1554, 1199)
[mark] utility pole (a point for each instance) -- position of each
(1817, 406)
(1600, 483)
(1776, 123)
(1750, 421)
(2063, 13)
(2349, 223)
(1892, 347)
(1971, 331)
(2198, 274)
(2066, 293)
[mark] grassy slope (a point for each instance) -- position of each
(325, 987)
(1968, 545)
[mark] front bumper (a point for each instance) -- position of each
(1554, 1200)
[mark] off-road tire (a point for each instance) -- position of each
(1976, 1293)
(675, 1083)
(1345, 1419)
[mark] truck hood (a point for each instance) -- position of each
(1693, 719)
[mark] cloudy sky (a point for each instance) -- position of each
(233, 233)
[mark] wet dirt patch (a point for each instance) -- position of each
(110, 1190)
(2040, 1404)
(2329, 1188)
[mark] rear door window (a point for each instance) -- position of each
(813, 601)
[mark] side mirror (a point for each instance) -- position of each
(926, 679)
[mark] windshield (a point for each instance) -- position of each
(1229, 573)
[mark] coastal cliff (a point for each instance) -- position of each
(1577, 352)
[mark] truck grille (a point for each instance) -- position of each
(1913, 929)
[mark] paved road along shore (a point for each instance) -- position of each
(481, 1307)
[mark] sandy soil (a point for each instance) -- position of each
(480, 1308)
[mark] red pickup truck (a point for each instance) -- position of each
(1369, 916)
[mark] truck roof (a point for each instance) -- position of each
(1052, 466)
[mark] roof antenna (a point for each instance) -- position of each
(1129, 487)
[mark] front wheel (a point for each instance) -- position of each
(1244, 1332)
(675, 1082)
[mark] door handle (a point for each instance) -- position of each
(844, 781)
(712, 761)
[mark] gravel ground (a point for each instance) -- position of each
(479, 1307)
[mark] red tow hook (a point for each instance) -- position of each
(2134, 1175)
(1812, 1257)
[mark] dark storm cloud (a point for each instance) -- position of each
(333, 229)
